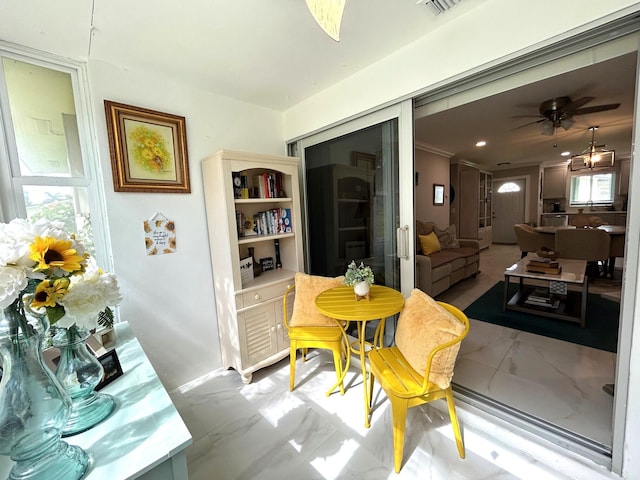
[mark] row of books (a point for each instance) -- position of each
(544, 265)
(270, 222)
(263, 185)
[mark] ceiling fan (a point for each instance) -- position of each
(559, 112)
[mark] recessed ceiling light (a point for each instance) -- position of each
(481, 143)
(565, 154)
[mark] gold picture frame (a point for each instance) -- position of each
(148, 150)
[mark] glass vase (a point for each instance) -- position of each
(79, 371)
(33, 405)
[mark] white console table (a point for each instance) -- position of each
(145, 437)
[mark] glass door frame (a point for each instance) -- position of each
(403, 113)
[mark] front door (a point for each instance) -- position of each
(508, 205)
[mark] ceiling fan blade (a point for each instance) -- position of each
(576, 104)
(596, 108)
(530, 123)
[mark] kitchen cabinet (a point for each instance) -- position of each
(554, 182)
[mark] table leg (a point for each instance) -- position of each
(347, 352)
(505, 295)
(365, 379)
(583, 301)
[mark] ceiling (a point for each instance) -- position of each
(223, 46)
(514, 141)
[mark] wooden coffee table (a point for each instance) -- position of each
(568, 304)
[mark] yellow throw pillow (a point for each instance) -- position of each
(422, 326)
(308, 287)
(429, 243)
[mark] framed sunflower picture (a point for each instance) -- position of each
(148, 150)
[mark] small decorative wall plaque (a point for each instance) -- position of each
(159, 235)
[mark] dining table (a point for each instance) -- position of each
(341, 304)
(616, 232)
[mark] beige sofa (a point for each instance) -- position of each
(437, 271)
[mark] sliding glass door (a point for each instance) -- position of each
(354, 210)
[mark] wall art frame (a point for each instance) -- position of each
(148, 150)
(438, 194)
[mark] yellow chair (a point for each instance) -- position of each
(308, 328)
(428, 338)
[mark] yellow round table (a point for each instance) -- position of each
(340, 303)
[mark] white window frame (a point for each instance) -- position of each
(592, 173)
(12, 203)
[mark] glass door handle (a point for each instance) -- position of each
(402, 242)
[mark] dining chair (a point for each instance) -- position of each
(308, 328)
(529, 240)
(419, 368)
(590, 244)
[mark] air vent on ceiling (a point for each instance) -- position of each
(441, 6)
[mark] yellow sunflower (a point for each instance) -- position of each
(49, 292)
(50, 252)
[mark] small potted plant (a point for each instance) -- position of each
(360, 278)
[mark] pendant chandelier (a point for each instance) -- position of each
(594, 156)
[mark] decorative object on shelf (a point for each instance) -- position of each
(277, 247)
(79, 372)
(148, 150)
(360, 278)
(267, 264)
(68, 287)
(257, 267)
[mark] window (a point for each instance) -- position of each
(509, 187)
(44, 148)
(593, 188)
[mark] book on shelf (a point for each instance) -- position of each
(548, 303)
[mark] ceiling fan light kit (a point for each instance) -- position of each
(594, 157)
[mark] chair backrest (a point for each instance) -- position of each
(429, 335)
(307, 287)
(529, 240)
(590, 244)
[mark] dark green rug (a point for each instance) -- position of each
(601, 329)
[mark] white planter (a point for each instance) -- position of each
(361, 288)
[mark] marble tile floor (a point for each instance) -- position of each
(262, 430)
(558, 382)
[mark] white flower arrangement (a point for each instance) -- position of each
(66, 282)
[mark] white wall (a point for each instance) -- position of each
(169, 299)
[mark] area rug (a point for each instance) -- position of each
(601, 330)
